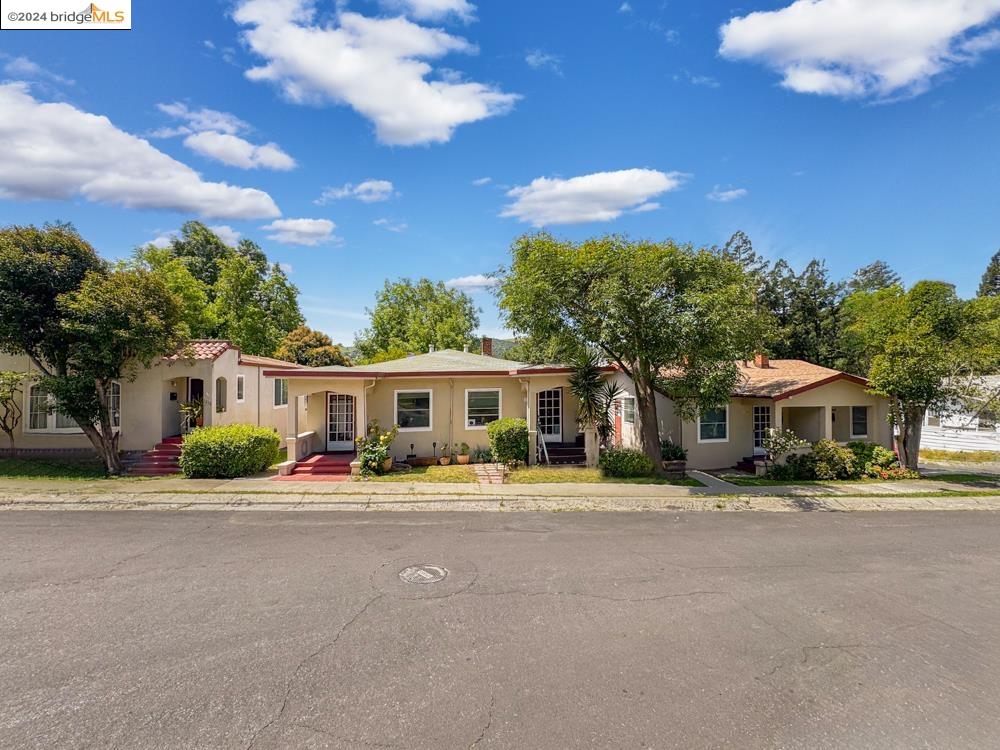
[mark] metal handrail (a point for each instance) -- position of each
(541, 444)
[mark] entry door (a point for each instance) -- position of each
(761, 424)
(550, 415)
(340, 422)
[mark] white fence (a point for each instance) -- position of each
(949, 439)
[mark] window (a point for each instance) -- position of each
(713, 427)
(280, 392)
(628, 410)
(859, 421)
(413, 410)
(220, 395)
(115, 404)
(42, 416)
(933, 420)
(482, 407)
(240, 389)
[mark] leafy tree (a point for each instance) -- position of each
(11, 394)
(201, 251)
(806, 313)
(253, 310)
(81, 325)
(925, 346)
(672, 317)
(990, 284)
(192, 293)
(304, 346)
(253, 253)
(871, 278)
(413, 316)
(739, 249)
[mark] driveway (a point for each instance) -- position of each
(237, 630)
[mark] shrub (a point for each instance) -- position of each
(373, 448)
(508, 440)
(235, 450)
(481, 454)
(670, 451)
(878, 462)
(625, 462)
(833, 461)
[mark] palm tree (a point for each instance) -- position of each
(595, 397)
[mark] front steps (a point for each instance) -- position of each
(330, 467)
(566, 454)
(162, 460)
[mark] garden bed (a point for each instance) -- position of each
(452, 474)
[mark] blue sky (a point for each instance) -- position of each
(821, 129)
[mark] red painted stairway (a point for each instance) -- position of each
(329, 466)
(161, 461)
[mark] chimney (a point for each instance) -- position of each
(487, 346)
(761, 361)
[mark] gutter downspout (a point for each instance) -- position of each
(364, 397)
(532, 426)
(451, 415)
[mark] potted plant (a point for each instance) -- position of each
(445, 455)
(463, 453)
(193, 412)
(674, 459)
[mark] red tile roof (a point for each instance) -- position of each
(202, 349)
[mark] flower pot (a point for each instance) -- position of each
(675, 469)
(387, 465)
(199, 422)
(445, 460)
(463, 460)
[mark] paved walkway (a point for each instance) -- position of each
(489, 473)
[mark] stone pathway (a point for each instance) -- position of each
(489, 473)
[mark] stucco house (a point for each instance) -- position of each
(812, 401)
(146, 410)
(448, 397)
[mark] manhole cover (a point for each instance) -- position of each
(423, 574)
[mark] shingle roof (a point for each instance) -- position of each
(253, 359)
(786, 377)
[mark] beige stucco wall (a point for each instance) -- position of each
(721, 455)
(668, 425)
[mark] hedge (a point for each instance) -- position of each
(508, 440)
(235, 450)
(625, 463)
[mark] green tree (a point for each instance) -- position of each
(990, 284)
(11, 395)
(672, 317)
(925, 348)
(413, 316)
(739, 249)
(253, 310)
(81, 325)
(192, 293)
(304, 346)
(805, 309)
(201, 250)
(871, 278)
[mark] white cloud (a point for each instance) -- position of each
(863, 48)
(479, 182)
(163, 240)
(377, 66)
(287, 268)
(226, 233)
(602, 196)
(301, 231)
(434, 10)
(369, 191)
(539, 59)
(477, 283)
(55, 151)
(24, 69)
(391, 226)
(720, 195)
(197, 120)
(625, 8)
(236, 152)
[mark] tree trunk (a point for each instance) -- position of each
(908, 440)
(645, 402)
(13, 448)
(107, 449)
(591, 447)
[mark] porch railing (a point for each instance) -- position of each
(541, 450)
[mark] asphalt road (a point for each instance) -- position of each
(238, 630)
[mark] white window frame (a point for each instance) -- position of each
(241, 389)
(221, 404)
(713, 440)
(274, 393)
(51, 417)
(498, 391)
(395, 409)
(867, 426)
(625, 419)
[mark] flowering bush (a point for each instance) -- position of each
(374, 447)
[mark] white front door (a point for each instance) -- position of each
(340, 422)
(550, 415)
(761, 424)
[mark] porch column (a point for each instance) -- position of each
(828, 422)
(529, 415)
(292, 428)
(776, 416)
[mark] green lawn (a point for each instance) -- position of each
(445, 474)
(51, 468)
(548, 474)
(972, 457)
